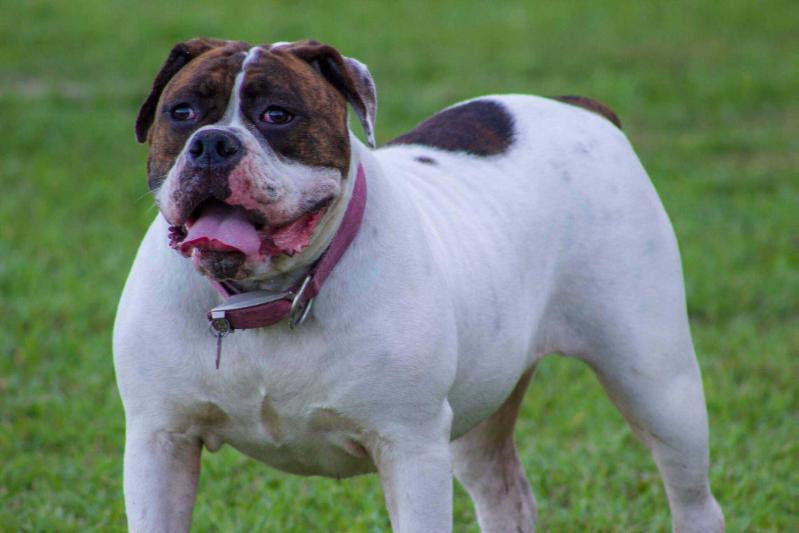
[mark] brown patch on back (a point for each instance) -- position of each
(480, 127)
(591, 105)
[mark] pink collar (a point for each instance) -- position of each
(258, 309)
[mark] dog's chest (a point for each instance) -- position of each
(277, 411)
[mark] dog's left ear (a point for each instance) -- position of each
(349, 76)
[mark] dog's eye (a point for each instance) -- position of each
(276, 115)
(183, 113)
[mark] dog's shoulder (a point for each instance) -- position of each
(480, 127)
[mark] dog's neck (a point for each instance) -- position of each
(284, 272)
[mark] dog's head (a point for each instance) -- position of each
(249, 147)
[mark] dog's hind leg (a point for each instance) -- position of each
(620, 306)
(487, 464)
(639, 344)
(661, 398)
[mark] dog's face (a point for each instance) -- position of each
(249, 147)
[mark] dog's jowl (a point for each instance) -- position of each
(331, 308)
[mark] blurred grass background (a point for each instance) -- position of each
(707, 92)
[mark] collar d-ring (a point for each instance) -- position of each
(299, 307)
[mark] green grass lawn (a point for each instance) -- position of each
(708, 93)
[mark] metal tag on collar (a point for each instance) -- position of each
(219, 327)
(219, 324)
(299, 309)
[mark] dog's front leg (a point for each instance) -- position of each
(416, 472)
(161, 471)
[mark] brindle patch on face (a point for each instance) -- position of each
(318, 135)
(204, 84)
(481, 127)
(591, 105)
(180, 55)
(285, 170)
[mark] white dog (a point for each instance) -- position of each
(389, 306)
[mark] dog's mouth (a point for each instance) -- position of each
(226, 235)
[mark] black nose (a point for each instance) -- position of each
(214, 148)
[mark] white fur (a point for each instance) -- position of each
(232, 115)
(464, 274)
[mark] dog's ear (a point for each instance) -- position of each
(349, 76)
(179, 57)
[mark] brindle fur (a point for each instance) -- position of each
(204, 82)
(480, 127)
(308, 79)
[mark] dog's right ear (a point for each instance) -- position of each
(179, 57)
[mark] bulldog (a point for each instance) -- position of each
(384, 309)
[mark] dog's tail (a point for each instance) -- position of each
(591, 105)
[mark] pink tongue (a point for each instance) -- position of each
(221, 227)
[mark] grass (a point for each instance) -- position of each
(707, 93)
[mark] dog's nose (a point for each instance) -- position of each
(214, 148)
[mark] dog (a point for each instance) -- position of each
(333, 309)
